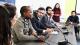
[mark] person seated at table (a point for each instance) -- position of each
(47, 19)
(37, 24)
(4, 26)
(12, 13)
(23, 27)
(73, 19)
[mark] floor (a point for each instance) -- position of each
(78, 40)
(78, 43)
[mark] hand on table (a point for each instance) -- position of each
(49, 30)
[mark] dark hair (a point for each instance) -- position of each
(48, 7)
(41, 8)
(56, 9)
(73, 11)
(11, 9)
(23, 9)
(4, 26)
(55, 5)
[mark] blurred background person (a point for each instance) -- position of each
(57, 12)
(12, 13)
(4, 26)
(73, 19)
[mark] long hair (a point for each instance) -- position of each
(12, 13)
(4, 26)
(11, 9)
(56, 8)
(56, 4)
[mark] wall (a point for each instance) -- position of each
(66, 6)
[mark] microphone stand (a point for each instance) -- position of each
(66, 40)
(59, 43)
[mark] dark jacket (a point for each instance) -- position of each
(47, 23)
(73, 19)
(37, 25)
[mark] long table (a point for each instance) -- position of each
(55, 38)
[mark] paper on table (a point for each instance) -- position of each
(54, 32)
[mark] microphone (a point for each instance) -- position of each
(63, 42)
(66, 33)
